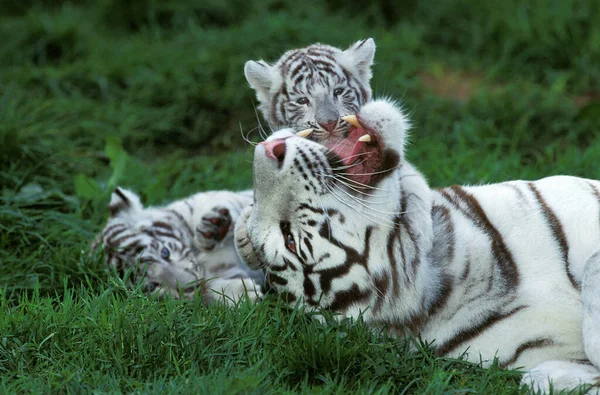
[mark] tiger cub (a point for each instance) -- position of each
(510, 270)
(186, 246)
(313, 87)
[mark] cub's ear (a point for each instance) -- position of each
(260, 77)
(361, 55)
(124, 201)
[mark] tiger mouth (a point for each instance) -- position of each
(359, 155)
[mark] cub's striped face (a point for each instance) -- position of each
(314, 87)
(317, 205)
(155, 245)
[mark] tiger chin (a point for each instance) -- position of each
(182, 249)
(508, 271)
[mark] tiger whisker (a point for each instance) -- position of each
(354, 188)
(361, 213)
(261, 131)
(376, 172)
(347, 166)
(363, 203)
(348, 180)
(245, 137)
(356, 182)
(356, 155)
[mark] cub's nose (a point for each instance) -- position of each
(275, 149)
(329, 126)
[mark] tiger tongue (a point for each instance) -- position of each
(359, 146)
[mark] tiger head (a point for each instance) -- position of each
(313, 87)
(319, 210)
(149, 245)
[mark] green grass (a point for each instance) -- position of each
(150, 95)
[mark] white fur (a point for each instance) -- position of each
(193, 257)
(278, 101)
(445, 256)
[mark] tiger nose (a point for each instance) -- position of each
(275, 149)
(328, 126)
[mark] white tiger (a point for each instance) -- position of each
(184, 246)
(313, 87)
(510, 270)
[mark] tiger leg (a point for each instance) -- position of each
(590, 295)
(231, 290)
(562, 375)
(214, 227)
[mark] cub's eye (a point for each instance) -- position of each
(302, 100)
(290, 244)
(165, 253)
(338, 91)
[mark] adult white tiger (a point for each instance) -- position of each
(313, 87)
(510, 270)
(176, 247)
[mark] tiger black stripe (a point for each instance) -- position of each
(108, 229)
(446, 289)
(381, 284)
(343, 299)
(473, 331)
(183, 221)
(110, 237)
(597, 196)
(530, 345)
(476, 214)
(275, 279)
(352, 257)
(120, 240)
(448, 225)
(557, 231)
(416, 260)
(391, 242)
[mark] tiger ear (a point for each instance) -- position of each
(361, 55)
(260, 77)
(124, 201)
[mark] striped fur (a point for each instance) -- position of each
(313, 87)
(510, 270)
(185, 248)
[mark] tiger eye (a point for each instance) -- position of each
(165, 253)
(290, 244)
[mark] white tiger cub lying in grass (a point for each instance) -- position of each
(510, 270)
(186, 246)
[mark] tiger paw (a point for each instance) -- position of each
(380, 123)
(214, 227)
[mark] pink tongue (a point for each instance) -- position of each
(358, 147)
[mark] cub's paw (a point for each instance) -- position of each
(214, 227)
